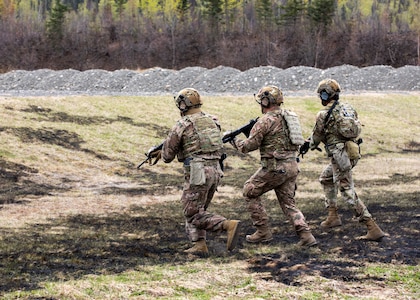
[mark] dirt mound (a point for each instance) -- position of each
(218, 80)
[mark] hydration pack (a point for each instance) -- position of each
(295, 130)
(346, 120)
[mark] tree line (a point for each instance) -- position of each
(174, 34)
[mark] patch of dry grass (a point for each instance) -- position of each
(79, 221)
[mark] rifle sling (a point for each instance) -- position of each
(329, 113)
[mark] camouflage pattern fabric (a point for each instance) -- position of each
(196, 199)
(332, 180)
(189, 139)
(346, 121)
(325, 133)
(334, 177)
(271, 136)
(186, 140)
(278, 171)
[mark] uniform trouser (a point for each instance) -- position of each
(195, 200)
(283, 181)
(332, 180)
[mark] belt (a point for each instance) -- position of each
(206, 162)
(264, 159)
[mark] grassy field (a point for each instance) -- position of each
(78, 220)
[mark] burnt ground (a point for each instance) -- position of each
(70, 247)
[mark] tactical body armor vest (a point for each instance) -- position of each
(279, 138)
(206, 137)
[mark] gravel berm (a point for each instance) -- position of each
(220, 80)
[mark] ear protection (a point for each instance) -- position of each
(265, 100)
(183, 103)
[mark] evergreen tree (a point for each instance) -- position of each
(292, 11)
(56, 20)
(321, 12)
(213, 10)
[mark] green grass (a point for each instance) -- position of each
(105, 230)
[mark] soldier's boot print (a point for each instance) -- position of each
(232, 229)
(374, 232)
(306, 239)
(262, 235)
(333, 219)
(200, 248)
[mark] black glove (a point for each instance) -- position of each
(304, 148)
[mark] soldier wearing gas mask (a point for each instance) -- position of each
(338, 128)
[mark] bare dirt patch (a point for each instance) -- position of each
(70, 209)
(111, 229)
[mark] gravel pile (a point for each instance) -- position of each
(220, 80)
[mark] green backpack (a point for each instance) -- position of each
(346, 120)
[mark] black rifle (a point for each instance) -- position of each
(149, 156)
(305, 148)
(246, 129)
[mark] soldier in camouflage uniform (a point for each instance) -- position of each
(278, 171)
(196, 141)
(338, 174)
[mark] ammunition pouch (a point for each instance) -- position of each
(196, 169)
(197, 172)
(353, 150)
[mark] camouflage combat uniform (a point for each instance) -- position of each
(197, 137)
(278, 171)
(333, 177)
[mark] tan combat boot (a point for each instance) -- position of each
(232, 229)
(263, 234)
(333, 219)
(306, 239)
(374, 232)
(200, 247)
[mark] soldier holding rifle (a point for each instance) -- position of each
(196, 141)
(277, 135)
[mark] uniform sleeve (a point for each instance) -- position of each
(254, 140)
(171, 145)
(318, 132)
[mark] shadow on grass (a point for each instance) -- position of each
(52, 136)
(72, 247)
(14, 183)
(339, 255)
(47, 114)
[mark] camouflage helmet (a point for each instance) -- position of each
(188, 98)
(271, 93)
(328, 89)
